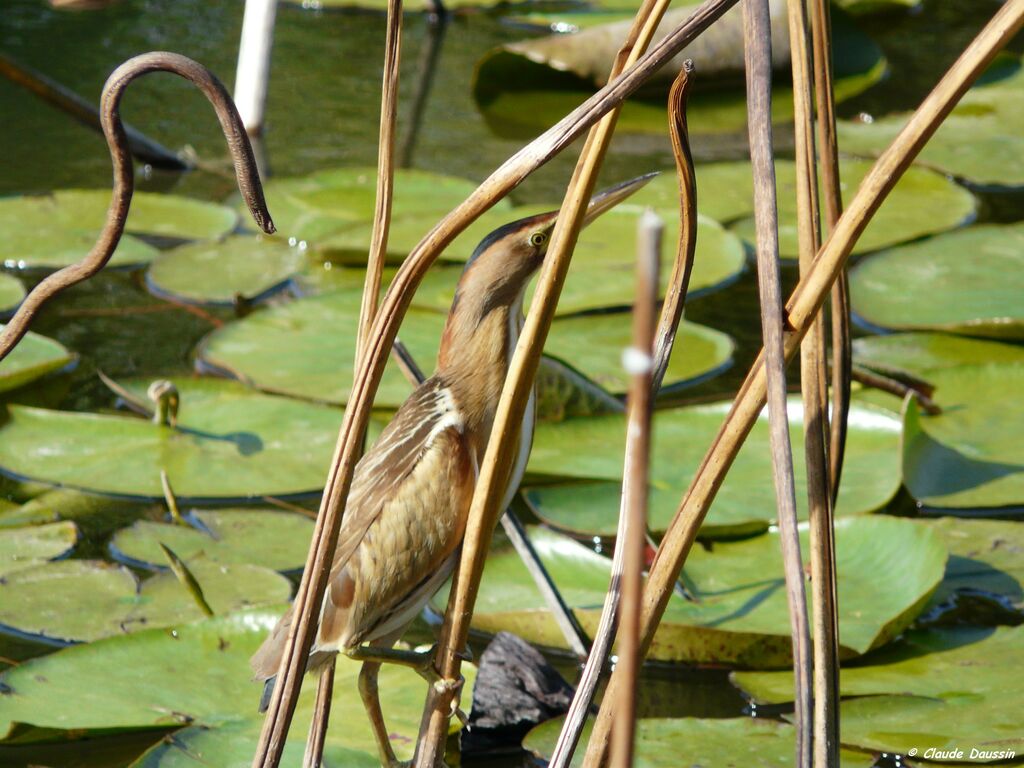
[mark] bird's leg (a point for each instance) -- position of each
(371, 700)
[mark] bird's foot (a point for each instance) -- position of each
(443, 685)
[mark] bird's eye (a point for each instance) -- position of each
(537, 239)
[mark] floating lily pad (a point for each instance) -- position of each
(197, 675)
(695, 742)
(969, 456)
(979, 141)
(919, 353)
(219, 272)
(740, 617)
(967, 282)
(277, 540)
(313, 208)
(531, 84)
(922, 203)
(52, 231)
(935, 689)
(594, 343)
(35, 356)
(746, 502)
(83, 600)
(22, 548)
(230, 442)
(11, 293)
(984, 556)
(865, 7)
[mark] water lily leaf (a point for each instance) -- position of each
(273, 539)
(230, 442)
(55, 230)
(35, 356)
(690, 742)
(746, 502)
(980, 140)
(918, 693)
(83, 600)
(740, 617)
(197, 674)
(306, 348)
(532, 83)
(865, 7)
(917, 354)
(11, 293)
(984, 556)
(600, 275)
(594, 343)
(218, 272)
(922, 203)
(315, 207)
(970, 455)
(967, 282)
(22, 548)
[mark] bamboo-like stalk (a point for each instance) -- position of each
(639, 363)
(124, 177)
(828, 149)
(368, 308)
(396, 302)
(671, 313)
(814, 390)
(803, 305)
(757, 38)
(494, 469)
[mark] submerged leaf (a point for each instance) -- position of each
(35, 356)
(11, 293)
(22, 548)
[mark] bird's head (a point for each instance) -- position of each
(497, 273)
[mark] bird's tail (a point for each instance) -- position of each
(268, 691)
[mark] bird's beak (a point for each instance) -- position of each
(607, 199)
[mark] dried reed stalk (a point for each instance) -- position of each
(639, 363)
(803, 305)
(671, 313)
(325, 535)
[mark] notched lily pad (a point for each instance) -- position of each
(222, 272)
(966, 282)
(25, 547)
(273, 539)
(746, 502)
(969, 456)
(740, 616)
(55, 230)
(918, 354)
(230, 442)
(34, 357)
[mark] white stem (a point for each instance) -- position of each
(254, 62)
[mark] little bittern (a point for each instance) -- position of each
(411, 492)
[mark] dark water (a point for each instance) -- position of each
(323, 111)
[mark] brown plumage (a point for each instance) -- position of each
(411, 492)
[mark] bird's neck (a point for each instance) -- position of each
(473, 361)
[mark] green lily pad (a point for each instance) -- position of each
(22, 548)
(865, 7)
(740, 617)
(979, 141)
(83, 600)
(55, 230)
(594, 343)
(11, 293)
(219, 272)
(741, 742)
(277, 540)
(746, 502)
(314, 208)
(922, 203)
(917, 354)
(984, 555)
(198, 675)
(965, 282)
(969, 456)
(230, 442)
(936, 689)
(306, 348)
(35, 356)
